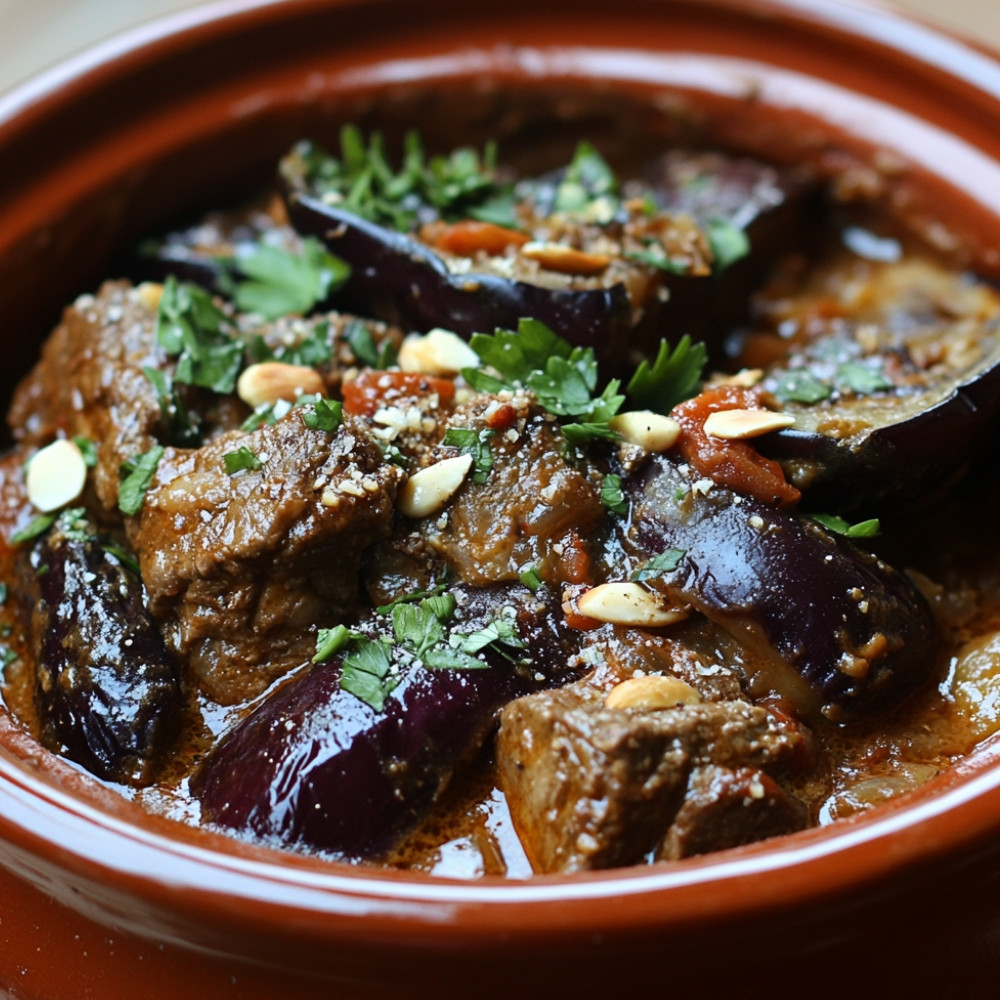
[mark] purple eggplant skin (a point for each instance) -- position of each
(916, 457)
(397, 279)
(316, 768)
(107, 691)
(838, 633)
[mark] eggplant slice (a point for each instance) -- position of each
(841, 634)
(892, 404)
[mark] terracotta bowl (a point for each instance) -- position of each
(100, 900)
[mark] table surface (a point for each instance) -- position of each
(35, 34)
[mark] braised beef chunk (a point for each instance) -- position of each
(240, 567)
(90, 382)
(106, 689)
(727, 807)
(592, 786)
(351, 755)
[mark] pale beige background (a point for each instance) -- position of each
(36, 33)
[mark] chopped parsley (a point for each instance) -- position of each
(183, 427)
(241, 460)
(192, 328)
(359, 338)
(469, 441)
(462, 184)
(7, 656)
(839, 526)
(87, 449)
(3, 593)
(673, 377)
(798, 385)
(325, 415)
(280, 281)
(588, 186)
(137, 473)
(665, 562)
(332, 640)
(367, 671)
(38, 526)
(125, 558)
(727, 242)
(563, 378)
(531, 578)
(311, 350)
(612, 496)
(861, 378)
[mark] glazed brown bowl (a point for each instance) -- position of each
(99, 899)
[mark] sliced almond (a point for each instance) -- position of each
(438, 352)
(648, 430)
(269, 381)
(55, 476)
(735, 425)
(149, 294)
(627, 604)
(652, 692)
(428, 490)
(565, 260)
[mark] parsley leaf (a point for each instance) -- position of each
(562, 377)
(7, 656)
(612, 496)
(727, 242)
(313, 349)
(673, 377)
(326, 415)
(138, 474)
(587, 180)
(800, 386)
(243, 459)
(38, 526)
(182, 427)
(666, 562)
(839, 526)
(280, 281)
(87, 449)
(475, 443)
(332, 640)
(193, 328)
(531, 579)
(861, 378)
(367, 671)
(362, 343)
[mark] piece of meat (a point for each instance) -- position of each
(727, 807)
(89, 382)
(590, 786)
(241, 568)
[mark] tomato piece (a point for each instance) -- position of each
(735, 464)
(470, 237)
(372, 390)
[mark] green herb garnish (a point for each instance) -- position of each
(37, 527)
(475, 443)
(280, 281)
(241, 460)
(332, 640)
(7, 656)
(362, 343)
(673, 377)
(88, 450)
(612, 496)
(839, 526)
(137, 474)
(563, 378)
(367, 671)
(665, 562)
(861, 378)
(182, 427)
(727, 242)
(800, 386)
(311, 350)
(531, 579)
(326, 415)
(588, 185)
(191, 327)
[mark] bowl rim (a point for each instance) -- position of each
(40, 820)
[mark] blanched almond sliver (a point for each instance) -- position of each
(652, 692)
(627, 604)
(735, 425)
(269, 381)
(428, 490)
(437, 352)
(56, 476)
(565, 260)
(651, 431)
